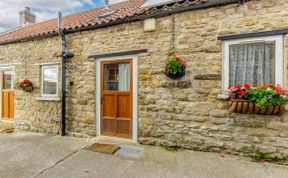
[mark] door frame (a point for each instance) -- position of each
(134, 94)
(12, 67)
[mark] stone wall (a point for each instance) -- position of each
(184, 113)
(30, 114)
(192, 117)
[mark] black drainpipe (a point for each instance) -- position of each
(64, 55)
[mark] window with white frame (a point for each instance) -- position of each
(49, 84)
(257, 61)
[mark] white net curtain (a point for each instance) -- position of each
(252, 63)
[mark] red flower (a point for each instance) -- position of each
(279, 89)
(261, 161)
(286, 94)
(21, 84)
(247, 86)
(177, 58)
(222, 156)
(243, 93)
(238, 87)
(230, 93)
(230, 87)
(269, 85)
(26, 81)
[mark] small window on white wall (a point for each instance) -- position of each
(257, 61)
(49, 85)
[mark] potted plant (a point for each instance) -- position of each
(25, 85)
(175, 68)
(268, 99)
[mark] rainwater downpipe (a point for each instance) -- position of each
(64, 56)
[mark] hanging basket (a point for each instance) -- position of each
(28, 89)
(176, 76)
(247, 107)
(25, 85)
(177, 65)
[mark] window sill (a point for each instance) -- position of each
(222, 96)
(42, 98)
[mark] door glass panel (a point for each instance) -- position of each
(117, 77)
(7, 80)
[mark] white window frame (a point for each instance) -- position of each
(42, 80)
(279, 57)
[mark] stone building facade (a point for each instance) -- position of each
(186, 113)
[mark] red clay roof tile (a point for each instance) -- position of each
(74, 21)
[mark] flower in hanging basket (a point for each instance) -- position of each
(266, 99)
(175, 68)
(25, 85)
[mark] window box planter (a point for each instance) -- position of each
(268, 99)
(248, 107)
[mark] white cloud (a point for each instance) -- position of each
(90, 2)
(116, 1)
(43, 9)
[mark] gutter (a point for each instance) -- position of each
(135, 18)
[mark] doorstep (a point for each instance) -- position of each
(6, 127)
(128, 148)
(112, 140)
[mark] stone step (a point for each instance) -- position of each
(6, 127)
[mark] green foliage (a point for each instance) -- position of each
(175, 67)
(264, 98)
(258, 155)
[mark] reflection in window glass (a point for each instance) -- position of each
(7, 80)
(50, 80)
(117, 77)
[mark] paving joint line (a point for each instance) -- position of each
(58, 162)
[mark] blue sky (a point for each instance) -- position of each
(43, 9)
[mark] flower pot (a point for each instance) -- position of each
(244, 106)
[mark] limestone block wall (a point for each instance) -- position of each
(191, 116)
(29, 113)
(184, 113)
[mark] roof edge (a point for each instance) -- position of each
(135, 18)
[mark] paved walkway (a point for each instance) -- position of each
(39, 155)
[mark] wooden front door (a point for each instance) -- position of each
(7, 95)
(116, 98)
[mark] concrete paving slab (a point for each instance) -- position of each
(27, 154)
(46, 156)
(158, 162)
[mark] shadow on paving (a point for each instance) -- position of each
(38, 155)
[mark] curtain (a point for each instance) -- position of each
(124, 77)
(252, 63)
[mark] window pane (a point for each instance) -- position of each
(117, 77)
(7, 80)
(252, 63)
(50, 78)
